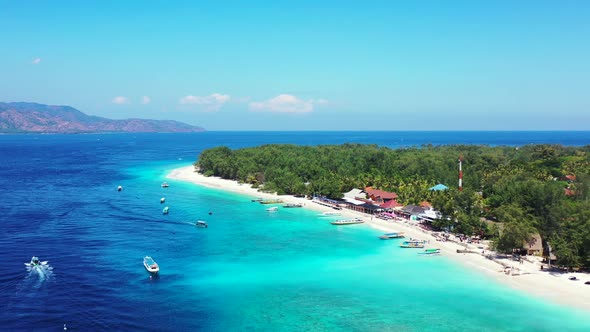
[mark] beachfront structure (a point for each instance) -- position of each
(391, 205)
(379, 196)
(534, 246)
(412, 212)
(355, 193)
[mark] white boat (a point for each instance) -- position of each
(201, 223)
(330, 214)
(293, 205)
(164, 185)
(35, 262)
(394, 235)
(119, 188)
(347, 221)
(272, 209)
(165, 211)
(162, 200)
(433, 251)
(150, 265)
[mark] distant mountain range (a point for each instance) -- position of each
(39, 118)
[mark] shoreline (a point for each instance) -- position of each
(526, 277)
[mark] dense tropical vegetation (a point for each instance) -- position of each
(528, 189)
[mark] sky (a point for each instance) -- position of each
(305, 65)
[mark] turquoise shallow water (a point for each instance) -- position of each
(249, 271)
(292, 270)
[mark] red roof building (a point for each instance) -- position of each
(379, 196)
(391, 204)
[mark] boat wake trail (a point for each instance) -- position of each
(38, 274)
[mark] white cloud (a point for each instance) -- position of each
(210, 103)
(120, 100)
(285, 103)
(36, 61)
(146, 100)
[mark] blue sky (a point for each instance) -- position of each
(305, 65)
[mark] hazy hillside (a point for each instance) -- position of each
(38, 118)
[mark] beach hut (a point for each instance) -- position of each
(534, 246)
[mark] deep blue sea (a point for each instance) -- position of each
(249, 271)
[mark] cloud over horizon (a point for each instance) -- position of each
(146, 100)
(212, 102)
(120, 100)
(36, 61)
(285, 103)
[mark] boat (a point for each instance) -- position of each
(257, 199)
(432, 251)
(162, 200)
(165, 211)
(119, 188)
(271, 201)
(272, 209)
(165, 185)
(413, 244)
(330, 214)
(293, 205)
(35, 262)
(150, 265)
(347, 221)
(394, 235)
(201, 223)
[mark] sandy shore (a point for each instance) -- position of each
(526, 276)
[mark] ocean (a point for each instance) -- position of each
(250, 270)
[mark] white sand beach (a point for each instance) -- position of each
(526, 276)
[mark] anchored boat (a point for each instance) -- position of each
(330, 214)
(432, 251)
(413, 244)
(165, 211)
(272, 209)
(347, 222)
(394, 235)
(293, 205)
(271, 201)
(165, 185)
(151, 265)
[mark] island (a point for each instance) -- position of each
(22, 117)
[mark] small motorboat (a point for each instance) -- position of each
(432, 251)
(162, 200)
(394, 235)
(150, 265)
(330, 214)
(413, 243)
(352, 221)
(573, 278)
(201, 223)
(165, 211)
(120, 188)
(293, 205)
(165, 185)
(272, 209)
(35, 262)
